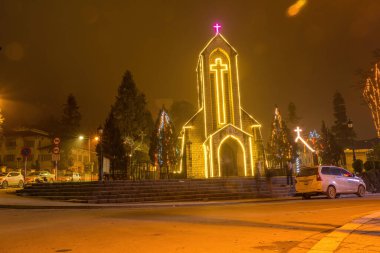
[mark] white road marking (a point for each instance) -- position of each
(331, 242)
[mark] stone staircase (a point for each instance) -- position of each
(159, 190)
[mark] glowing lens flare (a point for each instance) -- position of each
(294, 9)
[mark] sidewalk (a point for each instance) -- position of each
(360, 235)
(366, 238)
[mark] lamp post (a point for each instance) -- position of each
(100, 132)
(81, 137)
(350, 125)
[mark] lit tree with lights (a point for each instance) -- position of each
(371, 94)
(280, 147)
(163, 151)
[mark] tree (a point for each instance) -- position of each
(132, 120)
(293, 118)
(163, 147)
(180, 112)
(280, 147)
(70, 122)
(343, 134)
(328, 149)
(69, 130)
(130, 110)
(358, 166)
(113, 146)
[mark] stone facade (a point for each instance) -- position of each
(221, 139)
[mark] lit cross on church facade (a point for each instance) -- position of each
(218, 68)
(217, 27)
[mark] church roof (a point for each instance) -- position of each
(191, 120)
(218, 36)
(250, 116)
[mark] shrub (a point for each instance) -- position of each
(358, 166)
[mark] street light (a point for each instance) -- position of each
(350, 125)
(81, 138)
(100, 132)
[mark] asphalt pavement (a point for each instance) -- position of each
(361, 234)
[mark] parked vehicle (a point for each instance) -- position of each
(328, 180)
(12, 178)
(70, 177)
(40, 177)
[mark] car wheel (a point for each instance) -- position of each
(361, 191)
(331, 192)
(306, 196)
(20, 183)
(4, 185)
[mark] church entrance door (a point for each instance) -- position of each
(231, 159)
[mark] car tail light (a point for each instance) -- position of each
(319, 177)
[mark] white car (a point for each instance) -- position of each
(40, 177)
(328, 180)
(12, 178)
(70, 177)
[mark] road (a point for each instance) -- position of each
(280, 226)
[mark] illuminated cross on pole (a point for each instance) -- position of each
(298, 130)
(219, 68)
(217, 26)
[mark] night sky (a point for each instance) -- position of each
(53, 48)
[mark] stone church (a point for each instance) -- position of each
(221, 139)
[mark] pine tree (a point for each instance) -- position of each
(70, 122)
(343, 134)
(328, 149)
(132, 120)
(69, 130)
(280, 147)
(113, 147)
(293, 118)
(163, 150)
(130, 111)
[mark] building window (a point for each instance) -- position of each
(10, 144)
(44, 157)
(29, 143)
(9, 158)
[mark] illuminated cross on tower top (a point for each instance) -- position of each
(217, 27)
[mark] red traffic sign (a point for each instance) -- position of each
(25, 152)
(56, 141)
(56, 150)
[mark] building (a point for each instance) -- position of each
(40, 144)
(16, 139)
(221, 139)
(363, 151)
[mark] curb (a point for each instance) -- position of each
(144, 205)
(331, 242)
